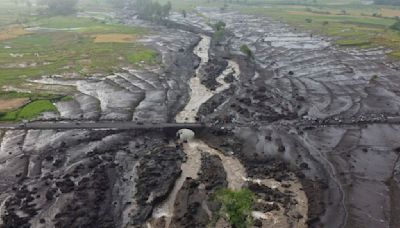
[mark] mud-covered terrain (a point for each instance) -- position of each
(309, 128)
(323, 110)
(101, 178)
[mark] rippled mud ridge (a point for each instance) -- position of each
(101, 178)
(319, 109)
(307, 127)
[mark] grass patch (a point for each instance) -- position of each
(31, 96)
(353, 43)
(66, 98)
(143, 56)
(29, 111)
(236, 206)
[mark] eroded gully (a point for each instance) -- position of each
(193, 147)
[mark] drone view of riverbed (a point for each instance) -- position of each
(184, 113)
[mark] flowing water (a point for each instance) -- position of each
(193, 147)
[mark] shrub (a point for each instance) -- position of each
(246, 50)
(220, 25)
(396, 26)
(218, 35)
(373, 78)
(236, 206)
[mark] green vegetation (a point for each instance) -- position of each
(246, 50)
(145, 9)
(33, 45)
(188, 6)
(350, 23)
(31, 96)
(152, 10)
(71, 45)
(144, 55)
(66, 98)
(12, 12)
(30, 111)
(387, 2)
(219, 28)
(39, 103)
(57, 7)
(236, 206)
(373, 78)
(220, 25)
(396, 26)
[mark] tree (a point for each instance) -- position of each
(220, 25)
(60, 7)
(149, 10)
(166, 9)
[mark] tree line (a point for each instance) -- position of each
(145, 9)
(149, 10)
(59, 7)
(387, 2)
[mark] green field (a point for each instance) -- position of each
(67, 45)
(32, 46)
(30, 111)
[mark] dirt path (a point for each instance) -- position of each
(12, 104)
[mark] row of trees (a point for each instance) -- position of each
(149, 10)
(59, 7)
(145, 9)
(387, 2)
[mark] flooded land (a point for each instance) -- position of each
(232, 105)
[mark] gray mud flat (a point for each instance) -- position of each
(190, 203)
(101, 178)
(83, 178)
(295, 94)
